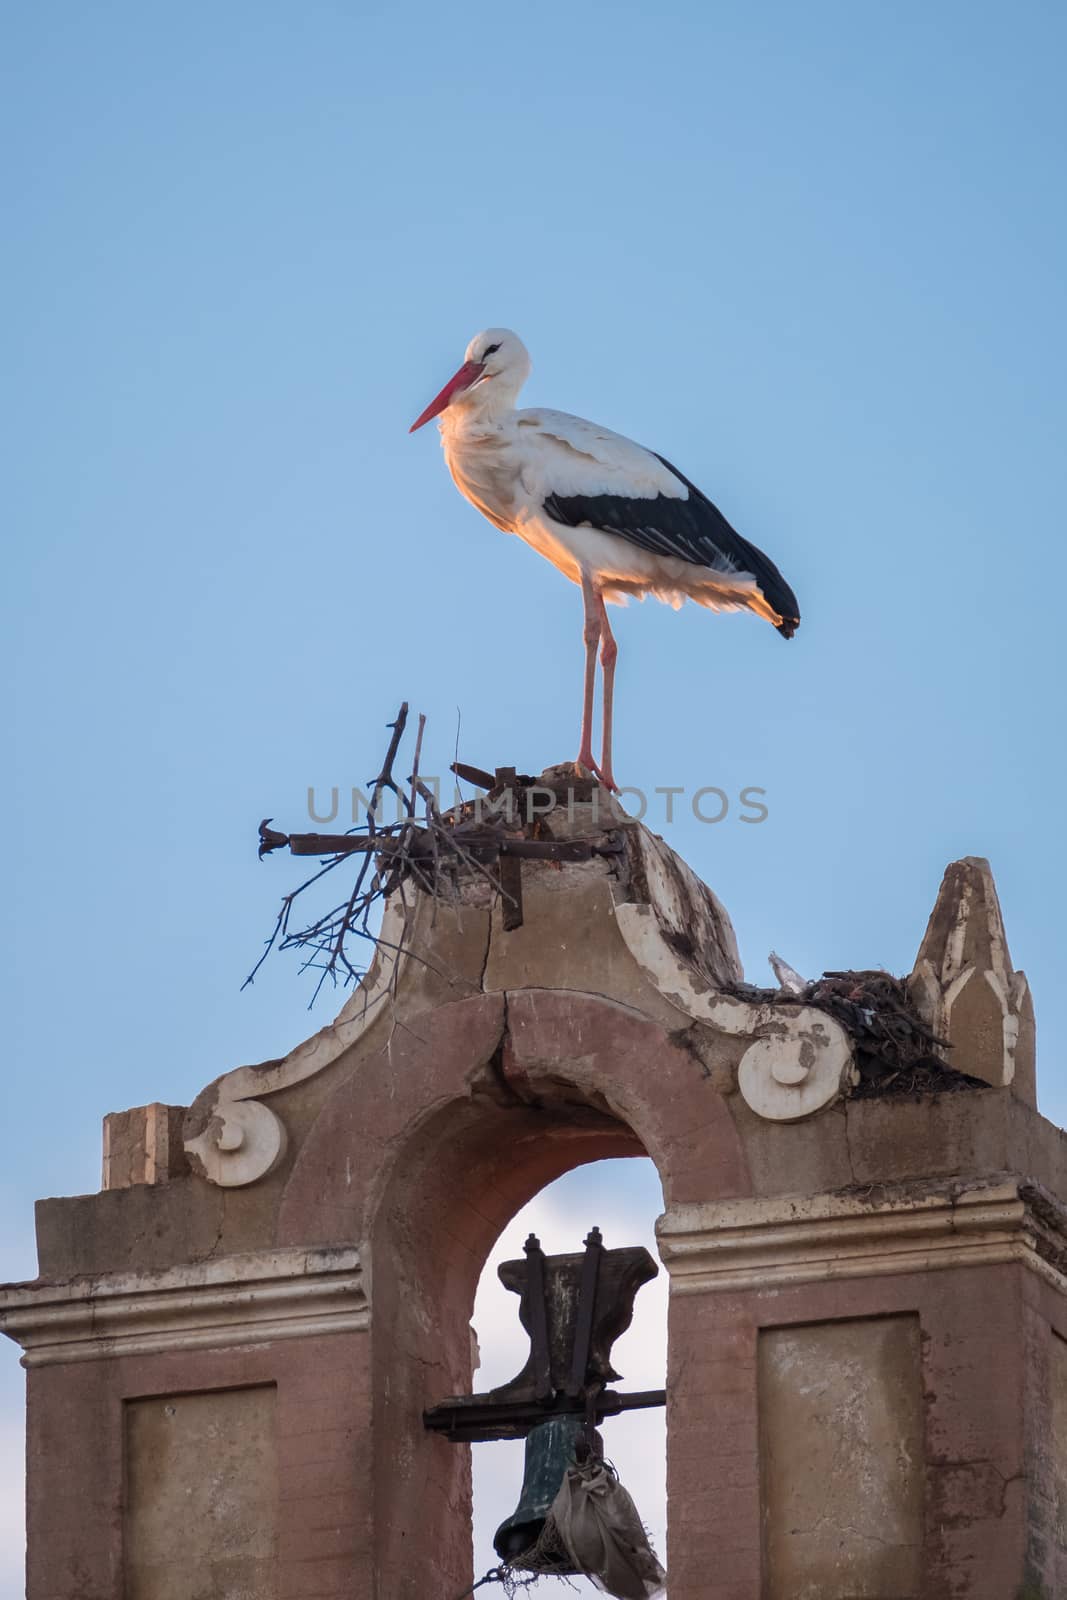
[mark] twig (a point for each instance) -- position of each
(385, 779)
(402, 845)
(435, 853)
(414, 780)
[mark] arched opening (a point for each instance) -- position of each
(424, 1157)
(470, 1170)
(623, 1198)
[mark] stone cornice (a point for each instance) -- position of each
(768, 1244)
(232, 1300)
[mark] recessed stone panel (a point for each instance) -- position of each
(841, 1460)
(1058, 1408)
(201, 1496)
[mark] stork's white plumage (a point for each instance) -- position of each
(615, 518)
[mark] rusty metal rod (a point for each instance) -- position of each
(483, 845)
(538, 1314)
(583, 1331)
(479, 1419)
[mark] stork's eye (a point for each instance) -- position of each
(492, 350)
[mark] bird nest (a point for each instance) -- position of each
(897, 1053)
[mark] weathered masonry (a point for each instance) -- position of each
(229, 1350)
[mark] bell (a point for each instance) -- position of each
(550, 1450)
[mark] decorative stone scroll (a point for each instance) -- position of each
(800, 1060)
(231, 1137)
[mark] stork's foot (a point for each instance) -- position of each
(607, 778)
(585, 766)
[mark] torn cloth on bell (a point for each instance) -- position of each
(598, 1524)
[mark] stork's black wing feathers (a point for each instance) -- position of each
(690, 530)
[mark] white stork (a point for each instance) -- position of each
(615, 518)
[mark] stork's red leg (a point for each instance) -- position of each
(591, 634)
(608, 652)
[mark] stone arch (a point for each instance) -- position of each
(424, 1155)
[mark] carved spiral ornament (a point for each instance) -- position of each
(243, 1141)
(791, 1072)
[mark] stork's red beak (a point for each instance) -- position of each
(468, 374)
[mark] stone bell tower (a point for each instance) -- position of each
(231, 1348)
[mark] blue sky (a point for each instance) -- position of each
(813, 254)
